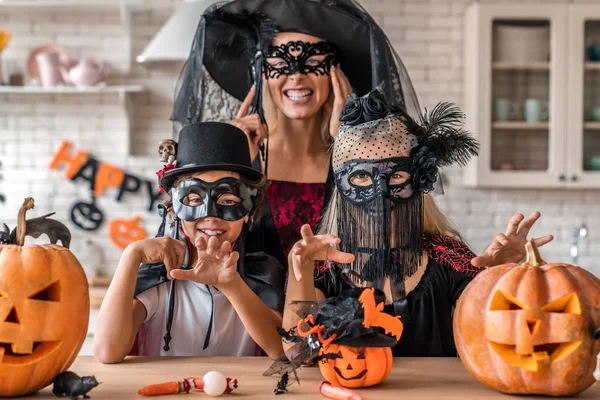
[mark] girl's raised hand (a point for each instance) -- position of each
(216, 265)
(250, 124)
(312, 248)
(510, 247)
(341, 90)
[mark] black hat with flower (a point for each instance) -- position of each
(383, 163)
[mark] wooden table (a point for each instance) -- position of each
(411, 378)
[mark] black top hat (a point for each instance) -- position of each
(207, 146)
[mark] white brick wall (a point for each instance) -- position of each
(427, 34)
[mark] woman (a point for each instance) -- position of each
(285, 59)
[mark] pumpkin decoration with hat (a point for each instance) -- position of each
(349, 335)
(44, 308)
(213, 146)
(532, 328)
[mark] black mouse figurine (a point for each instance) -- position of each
(69, 384)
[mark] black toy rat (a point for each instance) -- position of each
(69, 384)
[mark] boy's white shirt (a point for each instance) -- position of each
(191, 317)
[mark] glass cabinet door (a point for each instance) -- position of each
(522, 72)
(583, 125)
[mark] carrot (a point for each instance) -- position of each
(162, 388)
(338, 393)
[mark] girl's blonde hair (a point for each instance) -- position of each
(270, 110)
(435, 222)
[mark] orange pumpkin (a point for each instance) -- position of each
(356, 366)
(44, 313)
(528, 329)
(123, 232)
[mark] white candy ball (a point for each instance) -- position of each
(214, 383)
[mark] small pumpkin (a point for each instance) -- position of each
(44, 312)
(529, 328)
(356, 367)
(123, 232)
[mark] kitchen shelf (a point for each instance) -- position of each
(592, 126)
(57, 4)
(534, 66)
(123, 7)
(592, 66)
(121, 89)
(520, 125)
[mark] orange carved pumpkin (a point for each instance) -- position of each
(528, 329)
(123, 232)
(356, 366)
(44, 313)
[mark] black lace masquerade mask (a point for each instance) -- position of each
(361, 181)
(299, 57)
(194, 199)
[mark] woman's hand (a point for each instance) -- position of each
(341, 90)
(510, 247)
(250, 124)
(311, 248)
(217, 264)
(165, 249)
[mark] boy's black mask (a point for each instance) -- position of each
(207, 203)
(296, 56)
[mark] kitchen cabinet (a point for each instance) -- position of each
(532, 80)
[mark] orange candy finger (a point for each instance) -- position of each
(338, 393)
(159, 389)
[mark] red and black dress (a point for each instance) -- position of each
(289, 206)
(426, 311)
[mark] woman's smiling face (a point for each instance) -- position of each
(298, 74)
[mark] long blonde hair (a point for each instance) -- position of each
(435, 222)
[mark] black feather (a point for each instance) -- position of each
(236, 35)
(442, 132)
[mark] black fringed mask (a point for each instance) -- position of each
(298, 57)
(194, 199)
(383, 163)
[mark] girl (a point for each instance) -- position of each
(227, 302)
(391, 234)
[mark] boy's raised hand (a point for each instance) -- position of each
(165, 249)
(312, 248)
(216, 265)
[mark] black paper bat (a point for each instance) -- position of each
(37, 226)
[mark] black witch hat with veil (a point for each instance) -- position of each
(233, 38)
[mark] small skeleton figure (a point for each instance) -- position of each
(167, 150)
(4, 234)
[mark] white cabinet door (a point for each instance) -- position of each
(583, 122)
(514, 102)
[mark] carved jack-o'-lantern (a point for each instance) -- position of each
(535, 334)
(356, 366)
(122, 232)
(353, 352)
(44, 313)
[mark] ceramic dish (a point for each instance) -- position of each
(32, 65)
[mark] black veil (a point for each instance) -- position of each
(226, 54)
